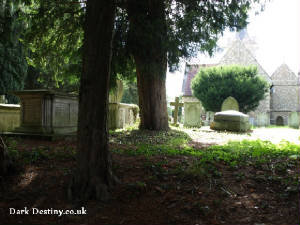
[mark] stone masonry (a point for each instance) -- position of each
(284, 94)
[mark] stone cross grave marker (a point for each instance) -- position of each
(230, 103)
(177, 104)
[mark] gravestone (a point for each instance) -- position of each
(294, 120)
(262, 120)
(9, 117)
(2, 99)
(122, 113)
(177, 104)
(209, 117)
(230, 103)
(47, 112)
(251, 121)
(231, 120)
(192, 114)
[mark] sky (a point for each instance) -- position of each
(277, 33)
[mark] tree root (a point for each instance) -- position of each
(79, 192)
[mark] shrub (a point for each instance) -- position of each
(213, 85)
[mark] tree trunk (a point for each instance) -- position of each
(94, 177)
(5, 162)
(147, 41)
(152, 99)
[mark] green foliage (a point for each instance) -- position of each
(130, 94)
(55, 38)
(213, 85)
(234, 153)
(122, 65)
(188, 27)
(247, 151)
(13, 66)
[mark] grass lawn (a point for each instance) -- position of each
(183, 176)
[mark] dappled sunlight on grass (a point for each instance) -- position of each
(275, 135)
(208, 145)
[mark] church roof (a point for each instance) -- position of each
(190, 72)
(283, 75)
(238, 54)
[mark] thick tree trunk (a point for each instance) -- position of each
(147, 35)
(5, 162)
(94, 177)
(152, 99)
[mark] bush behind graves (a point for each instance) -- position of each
(213, 85)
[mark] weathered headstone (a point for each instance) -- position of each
(230, 103)
(294, 119)
(251, 121)
(231, 120)
(209, 117)
(262, 120)
(192, 114)
(177, 104)
(2, 99)
(9, 117)
(47, 112)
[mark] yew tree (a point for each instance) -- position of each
(214, 84)
(94, 177)
(54, 38)
(13, 66)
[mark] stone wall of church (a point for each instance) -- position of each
(285, 98)
(238, 54)
(285, 90)
(284, 94)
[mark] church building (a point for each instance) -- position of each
(280, 102)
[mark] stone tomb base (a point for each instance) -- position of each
(122, 115)
(45, 112)
(231, 120)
